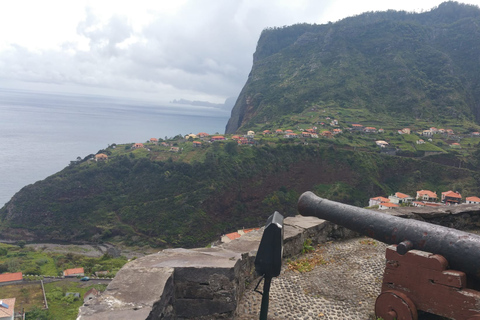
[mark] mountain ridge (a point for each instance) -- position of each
(386, 62)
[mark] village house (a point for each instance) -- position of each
(334, 123)
(420, 141)
(381, 130)
(455, 145)
(314, 135)
(138, 145)
(11, 277)
(279, 131)
(217, 138)
(90, 294)
(357, 127)
(266, 132)
(442, 131)
(75, 272)
(336, 131)
(434, 130)
(370, 130)
(475, 134)
(165, 144)
(235, 235)
(243, 141)
(154, 140)
(197, 144)
(311, 130)
(191, 135)
(203, 135)
(399, 198)
(381, 143)
(472, 200)
(426, 195)
(7, 309)
(306, 134)
(377, 200)
(387, 205)
(250, 134)
(288, 131)
(174, 149)
(404, 131)
(449, 132)
(101, 157)
(427, 133)
(290, 135)
(450, 197)
(326, 134)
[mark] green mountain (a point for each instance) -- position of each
(396, 65)
(386, 69)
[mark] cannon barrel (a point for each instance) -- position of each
(461, 249)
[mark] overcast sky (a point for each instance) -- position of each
(162, 50)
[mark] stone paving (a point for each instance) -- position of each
(345, 287)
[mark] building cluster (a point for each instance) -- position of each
(423, 198)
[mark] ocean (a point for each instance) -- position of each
(40, 133)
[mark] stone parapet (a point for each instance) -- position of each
(208, 283)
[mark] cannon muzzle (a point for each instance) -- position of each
(461, 249)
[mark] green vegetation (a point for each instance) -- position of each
(388, 70)
(31, 262)
(61, 306)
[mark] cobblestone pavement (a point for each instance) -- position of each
(345, 287)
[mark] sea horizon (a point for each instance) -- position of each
(40, 133)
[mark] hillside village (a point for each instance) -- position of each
(404, 142)
(423, 198)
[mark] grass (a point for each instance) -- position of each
(61, 307)
(28, 295)
(310, 258)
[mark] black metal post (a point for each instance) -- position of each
(265, 298)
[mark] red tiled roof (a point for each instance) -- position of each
(6, 277)
(381, 199)
(153, 139)
(69, 272)
(401, 195)
(451, 194)
(233, 235)
(250, 230)
(7, 313)
(388, 204)
(203, 134)
(475, 199)
(356, 125)
(288, 130)
(429, 193)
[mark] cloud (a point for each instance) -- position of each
(196, 50)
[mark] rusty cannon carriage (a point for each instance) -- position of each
(428, 267)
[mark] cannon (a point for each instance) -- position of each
(429, 267)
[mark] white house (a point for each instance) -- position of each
(387, 205)
(377, 201)
(472, 200)
(7, 309)
(399, 198)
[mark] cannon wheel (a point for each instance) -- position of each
(394, 305)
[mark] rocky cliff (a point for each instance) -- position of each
(412, 65)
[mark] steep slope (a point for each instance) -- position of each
(409, 65)
(170, 203)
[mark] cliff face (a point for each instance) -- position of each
(418, 66)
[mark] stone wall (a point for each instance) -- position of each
(208, 283)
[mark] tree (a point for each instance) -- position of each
(21, 243)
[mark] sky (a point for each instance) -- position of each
(154, 50)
